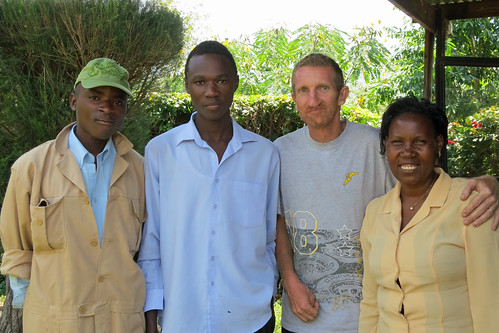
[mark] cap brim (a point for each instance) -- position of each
(95, 84)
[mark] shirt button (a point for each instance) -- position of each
(216, 180)
(215, 206)
(93, 243)
(101, 278)
(212, 258)
(82, 309)
(212, 283)
(213, 232)
(39, 223)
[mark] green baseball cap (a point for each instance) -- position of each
(104, 72)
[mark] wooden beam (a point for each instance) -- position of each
(440, 75)
(419, 11)
(428, 64)
(470, 61)
(468, 10)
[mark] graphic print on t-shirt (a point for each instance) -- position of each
(329, 261)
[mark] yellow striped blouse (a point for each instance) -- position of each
(443, 276)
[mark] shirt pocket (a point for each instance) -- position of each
(48, 226)
(248, 204)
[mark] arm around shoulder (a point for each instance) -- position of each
(485, 204)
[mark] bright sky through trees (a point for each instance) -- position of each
(233, 18)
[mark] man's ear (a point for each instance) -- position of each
(72, 101)
(236, 83)
(343, 95)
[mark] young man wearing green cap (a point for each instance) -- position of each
(72, 217)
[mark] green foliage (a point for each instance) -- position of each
(367, 57)
(168, 111)
(469, 89)
(43, 46)
(474, 145)
(266, 64)
(269, 116)
(3, 290)
(278, 315)
(404, 75)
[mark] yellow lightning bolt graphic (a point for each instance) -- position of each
(349, 177)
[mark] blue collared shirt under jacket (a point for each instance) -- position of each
(208, 248)
(97, 180)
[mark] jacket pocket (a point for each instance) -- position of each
(140, 217)
(248, 204)
(48, 226)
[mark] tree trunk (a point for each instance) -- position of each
(11, 320)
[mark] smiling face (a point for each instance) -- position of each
(100, 113)
(211, 83)
(316, 97)
(411, 149)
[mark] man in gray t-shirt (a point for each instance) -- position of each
(330, 170)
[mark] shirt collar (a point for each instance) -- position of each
(190, 133)
(81, 153)
(436, 198)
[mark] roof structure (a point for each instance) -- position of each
(429, 13)
(434, 16)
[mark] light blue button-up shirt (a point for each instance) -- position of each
(208, 249)
(97, 182)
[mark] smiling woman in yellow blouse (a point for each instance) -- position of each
(418, 276)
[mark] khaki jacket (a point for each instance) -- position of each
(50, 237)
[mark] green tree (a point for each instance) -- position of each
(43, 46)
(266, 64)
(470, 89)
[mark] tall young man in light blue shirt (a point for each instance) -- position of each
(211, 194)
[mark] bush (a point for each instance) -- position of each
(43, 46)
(269, 116)
(473, 148)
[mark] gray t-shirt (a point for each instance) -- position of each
(325, 189)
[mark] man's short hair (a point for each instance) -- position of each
(320, 60)
(211, 47)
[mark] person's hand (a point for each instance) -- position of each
(302, 300)
(485, 204)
